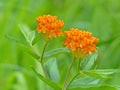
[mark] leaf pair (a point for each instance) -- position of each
(29, 35)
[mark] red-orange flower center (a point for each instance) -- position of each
(49, 25)
(80, 42)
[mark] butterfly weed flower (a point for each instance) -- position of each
(80, 43)
(50, 26)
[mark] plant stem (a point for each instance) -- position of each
(72, 79)
(77, 72)
(67, 75)
(43, 68)
(79, 65)
(41, 60)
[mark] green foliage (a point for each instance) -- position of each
(106, 71)
(85, 82)
(29, 35)
(55, 51)
(24, 47)
(36, 39)
(16, 40)
(47, 81)
(101, 73)
(29, 51)
(52, 69)
(88, 62)
(96, 75)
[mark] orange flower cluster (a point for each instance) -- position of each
(81, 43)
(49, 25)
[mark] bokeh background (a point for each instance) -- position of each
(101, 17)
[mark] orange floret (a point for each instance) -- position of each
(80, 43)
(49, 25)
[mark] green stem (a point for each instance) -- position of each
(43, 68)
(76, 74)
(67, 75)
(41, 60)
(72, 79)
(79, 64)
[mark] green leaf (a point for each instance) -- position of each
(31, 37)
(36, 39)
(23, 46)
(101, 73)
(94, 74)
(29, 51)
(103, 87)
(55, 51)
(28, 34)
(47, 81)
(52, 69)
(91, 77)
(106, 71)
(86, 82)
(25, 30)
(16, 40)
(88, 62)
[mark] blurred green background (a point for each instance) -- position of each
(101, 17)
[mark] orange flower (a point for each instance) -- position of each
(80, 43)
(49, 25)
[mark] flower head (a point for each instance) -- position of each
(49, 25)
(80, 43)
